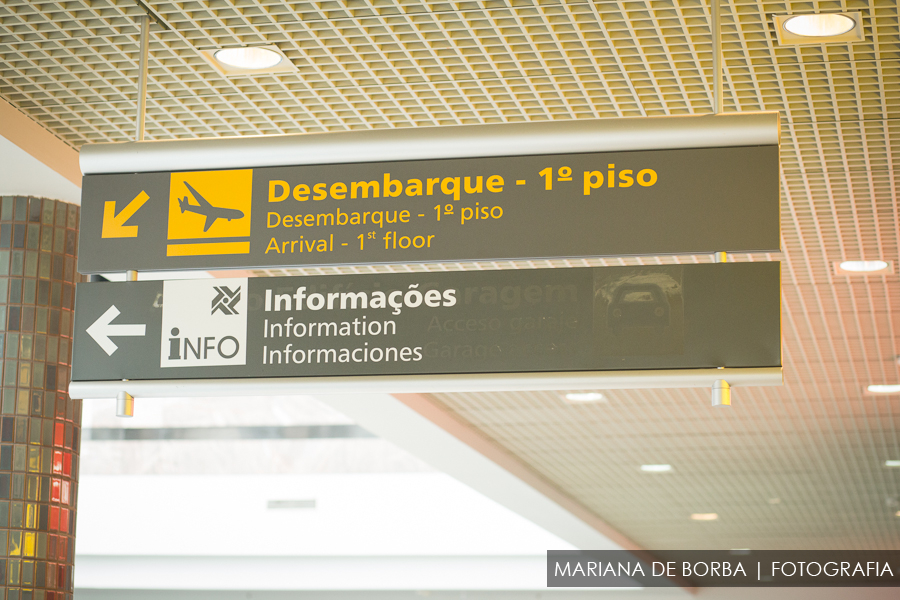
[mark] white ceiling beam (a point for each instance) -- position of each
(420, 426)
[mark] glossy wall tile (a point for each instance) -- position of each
(39, 424)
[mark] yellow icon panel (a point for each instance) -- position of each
(213, 206)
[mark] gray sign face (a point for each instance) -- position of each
(655, 202)
(610, 318)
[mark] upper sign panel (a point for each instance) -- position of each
(636, 202)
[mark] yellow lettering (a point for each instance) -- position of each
(365, 186)
(338, 191)
(273, 197)
(301, 192)
(392, 187)
(414, 187)
(451, 190)
(649, 180)
(592, 180)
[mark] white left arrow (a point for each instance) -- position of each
(102, 329)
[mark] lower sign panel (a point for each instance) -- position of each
(432, 323)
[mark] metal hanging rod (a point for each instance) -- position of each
(153, 15)
(142, 78)
(716, 26)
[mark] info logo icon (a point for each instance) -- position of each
(209, 212)
(204, 323)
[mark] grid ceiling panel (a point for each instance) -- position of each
(798, 466)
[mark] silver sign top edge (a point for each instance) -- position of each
(424, 143)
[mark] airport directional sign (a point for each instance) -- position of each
(525, 204)
(690, 316)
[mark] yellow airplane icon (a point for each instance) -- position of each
(203, 207)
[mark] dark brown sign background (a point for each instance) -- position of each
(701, 201)
(529, 320)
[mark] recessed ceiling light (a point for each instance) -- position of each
(253, 59)
(882, 388)
(282, 504)
(821, 28)
(656, 468)
(863, 266)
(704, 517)
(257, 60)
(892, 463)
(897, 514)
(819, 25)
(584, 396)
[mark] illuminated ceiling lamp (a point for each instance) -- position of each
(585, 397)
(863, 267)
(251, 59)
(820, 25)
(254, 60)
(661, 468)
(883, 388)
(704, 517)
(819, 28)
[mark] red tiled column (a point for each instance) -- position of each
(40, 425)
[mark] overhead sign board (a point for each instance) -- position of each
(526, 204)
(431, 323)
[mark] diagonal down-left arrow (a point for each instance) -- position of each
(102, 329)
